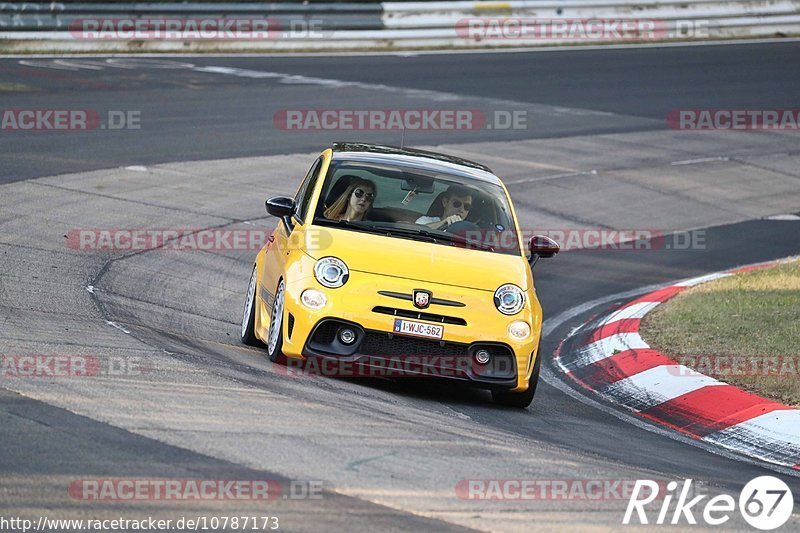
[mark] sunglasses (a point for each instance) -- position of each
(360, 193)
(458, 203)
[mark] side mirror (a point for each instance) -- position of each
(281, 207)
(543, 247)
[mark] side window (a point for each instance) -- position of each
(303, 197)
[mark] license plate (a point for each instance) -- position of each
(420, 329)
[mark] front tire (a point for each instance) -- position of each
(275, 336)
(248, 333)
(523, 399)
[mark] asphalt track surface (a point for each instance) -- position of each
(193, 115)
(190, 115)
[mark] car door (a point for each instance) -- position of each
(282, 243)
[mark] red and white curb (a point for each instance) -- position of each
(616, 363)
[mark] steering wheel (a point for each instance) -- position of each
(462, 227)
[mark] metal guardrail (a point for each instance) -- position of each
(391, 24)
(675, 19)
(446, 14)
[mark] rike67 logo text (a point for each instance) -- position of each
(766, 503)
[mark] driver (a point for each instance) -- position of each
(457, 201)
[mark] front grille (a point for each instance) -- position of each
(380, 344)
(430, 317)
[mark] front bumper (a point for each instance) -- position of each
(375, 353)
(475, 322)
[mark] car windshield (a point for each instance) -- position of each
(409, 203)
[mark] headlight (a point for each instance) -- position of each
(519, 330)
(509, 299)
(313, 298)
(331, 272)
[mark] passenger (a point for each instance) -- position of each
(354, 203)
(456, 203)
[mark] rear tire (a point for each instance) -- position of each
(275, 335)
(523, 399)
(248, 333)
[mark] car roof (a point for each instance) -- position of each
(423, 159)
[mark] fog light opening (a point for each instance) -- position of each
(347, 336)
(482, 357)
(519, 330)
(313, 299)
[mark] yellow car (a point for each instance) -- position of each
(398, 261)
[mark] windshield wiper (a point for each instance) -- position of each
(340, 223)
(380, 229)
(406, 232)
(435, 237)
(420, 234)
(456, 238)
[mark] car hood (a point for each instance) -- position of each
(422, 261)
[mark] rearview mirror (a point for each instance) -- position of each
(542, 246)
(420, 184)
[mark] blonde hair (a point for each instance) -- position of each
(339, 207)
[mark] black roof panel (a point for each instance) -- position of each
(413, 152)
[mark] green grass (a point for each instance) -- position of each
(754, 315)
